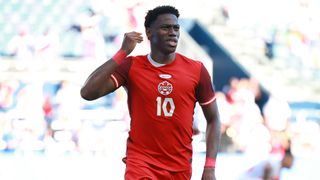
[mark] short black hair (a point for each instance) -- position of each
(154, 13)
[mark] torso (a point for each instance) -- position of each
(161, 103)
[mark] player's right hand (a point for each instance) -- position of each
(130, 40)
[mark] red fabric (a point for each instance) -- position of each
(136, 169)
(210, 163)
(161, 102)
(119, 56)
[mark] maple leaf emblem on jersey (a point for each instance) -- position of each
(165, 88)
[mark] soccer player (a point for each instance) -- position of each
(163, 88)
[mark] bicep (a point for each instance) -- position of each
(93, 90)
(210, 111)
(205, 93)
(112, 83)
(109, 86)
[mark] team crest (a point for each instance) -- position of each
(165, 88)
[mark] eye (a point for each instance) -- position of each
(176, 27)
(165, 27)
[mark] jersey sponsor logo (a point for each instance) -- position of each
(165, 76)
(165, 88)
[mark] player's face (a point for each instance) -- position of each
(164, 33)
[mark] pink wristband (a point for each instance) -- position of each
(210, 163)
(119, 56)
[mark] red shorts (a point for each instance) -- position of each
(137, 170)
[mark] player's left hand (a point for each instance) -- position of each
(208, 174)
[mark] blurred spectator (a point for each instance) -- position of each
(305, 136)
(241, 118)
(22, 46)
(68, 101)
(269, 43)
(280, 142)
(47, 45)
(225, 13)
(26, 125)
(94, 45)
(31, 93)
(276, 113)
(226, 113)
(6, 95)
(269, 169)
(136, 13)
(231, 88)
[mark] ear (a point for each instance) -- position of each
(148, 33)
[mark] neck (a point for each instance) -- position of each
(163, 58)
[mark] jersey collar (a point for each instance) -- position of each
(153, 62)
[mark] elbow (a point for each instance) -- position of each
(86, 95)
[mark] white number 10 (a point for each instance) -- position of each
(163, 106)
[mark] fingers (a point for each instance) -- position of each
(130, 40)
(135, 36)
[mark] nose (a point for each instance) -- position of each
(172, 31)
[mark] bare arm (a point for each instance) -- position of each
(211, 114)
(99, 82)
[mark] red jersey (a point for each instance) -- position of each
(161, 102)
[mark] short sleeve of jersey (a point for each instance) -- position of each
(205, 93)
(120, 76)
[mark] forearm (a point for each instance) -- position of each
(99, 82)
(212, 140)
(213, 137)
(212, 116)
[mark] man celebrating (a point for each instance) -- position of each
(163, 88)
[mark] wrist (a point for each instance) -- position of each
(120, 56)
(210, 163)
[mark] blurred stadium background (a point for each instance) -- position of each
(264, 57)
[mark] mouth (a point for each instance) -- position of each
(172, 42)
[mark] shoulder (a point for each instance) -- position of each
(130, 60)
(183, 57)
(138, 58)
(192, 62)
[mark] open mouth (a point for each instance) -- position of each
(172, 42)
